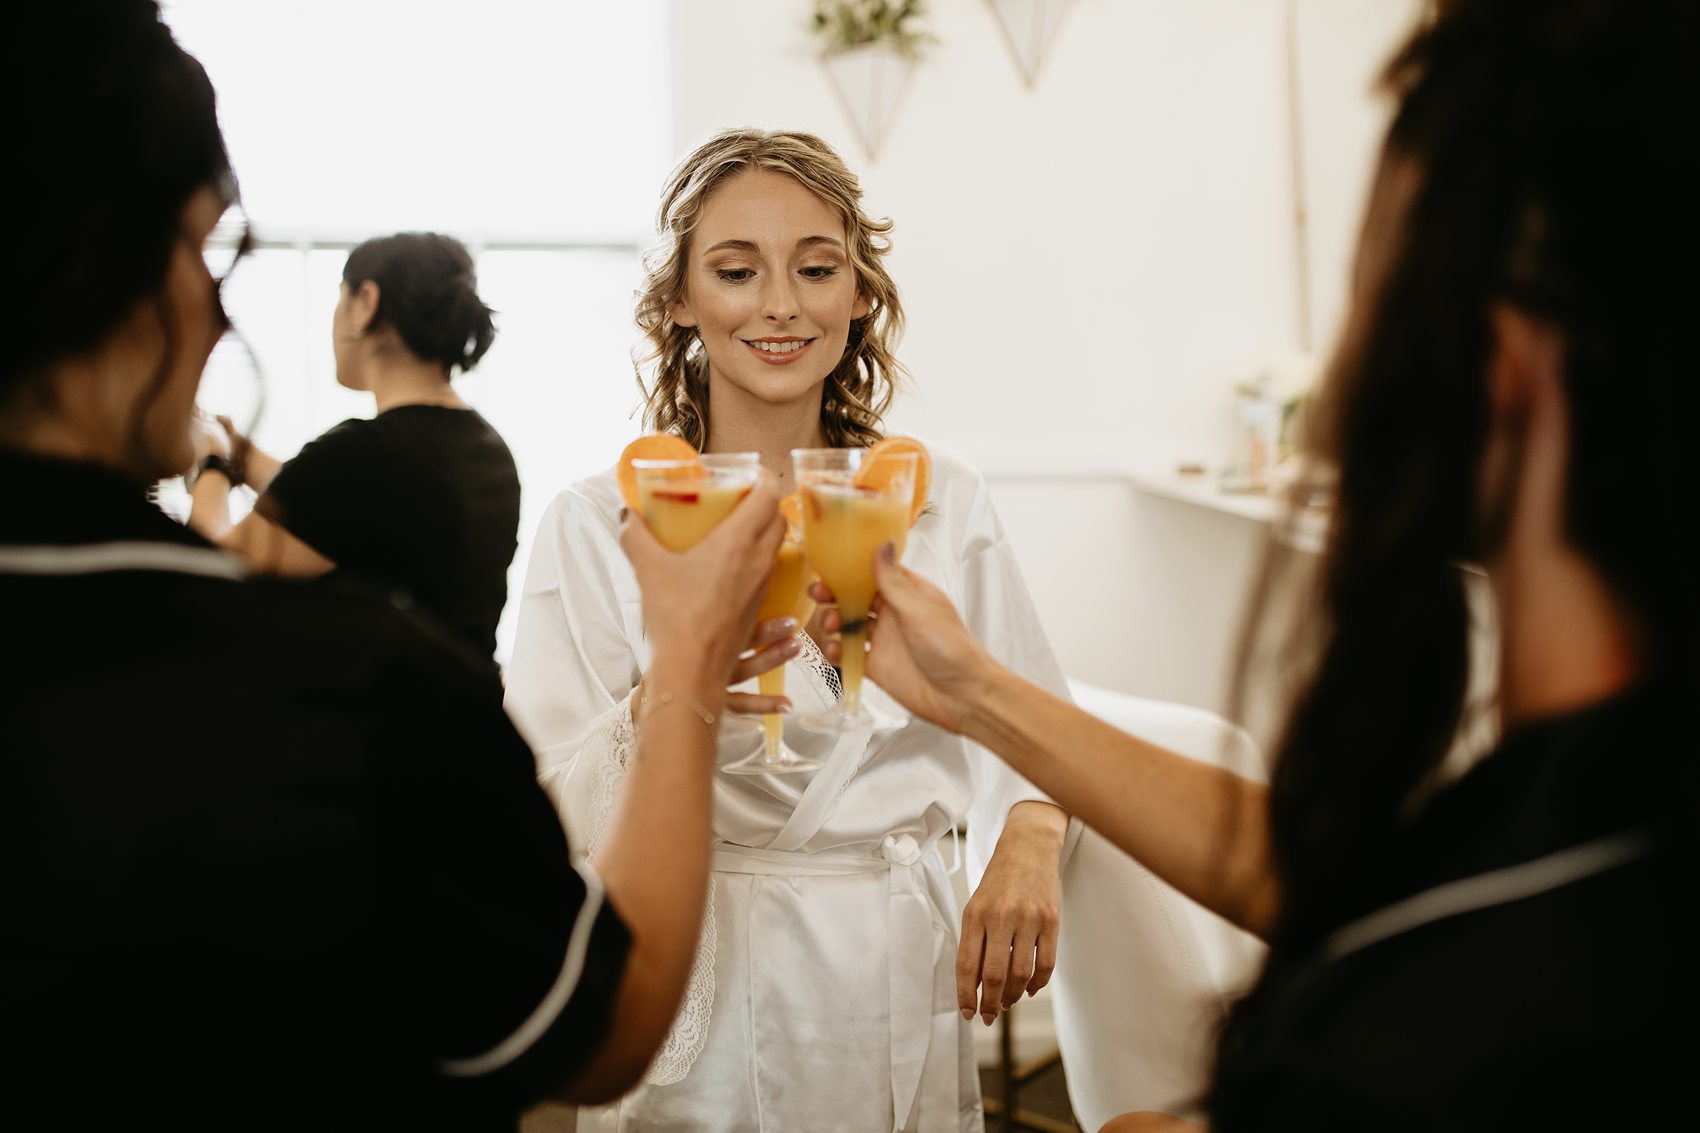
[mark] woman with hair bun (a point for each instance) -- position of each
(423, 498)
(318, 887)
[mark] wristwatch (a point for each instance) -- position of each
(214, 462)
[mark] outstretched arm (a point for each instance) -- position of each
(1151, 1122)
(698, 608)
(267, 548)
(1200, 828)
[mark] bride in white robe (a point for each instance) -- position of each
(826, 994)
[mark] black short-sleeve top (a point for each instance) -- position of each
(273, 855)
(1526, 966)
(421, 499)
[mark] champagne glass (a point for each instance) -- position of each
(852, 504)
(785, 597)
(682, 501)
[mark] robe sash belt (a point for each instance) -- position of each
(917, 940)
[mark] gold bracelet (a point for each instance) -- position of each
(655, 702)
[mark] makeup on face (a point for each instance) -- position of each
(771, 291)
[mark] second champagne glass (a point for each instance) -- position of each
(785, 598)
(851, 504)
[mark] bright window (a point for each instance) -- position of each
(539, 134)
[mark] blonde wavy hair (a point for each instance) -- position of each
(860, 387)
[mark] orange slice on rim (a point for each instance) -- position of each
(654, 446)
(877, 473)
(791, 507)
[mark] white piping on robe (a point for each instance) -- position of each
(102, 558)
(1485, 890)
(543, 1016)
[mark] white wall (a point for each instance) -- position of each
(1342, 47)
(1089, 267)
(1124, 227)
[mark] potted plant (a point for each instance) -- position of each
(869, 48)
(848, 24)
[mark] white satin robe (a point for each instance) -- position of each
(824, 992)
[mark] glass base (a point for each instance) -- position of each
(840, 720)
(763, 762)
(738, 736)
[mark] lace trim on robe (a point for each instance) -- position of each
(815, 661)
(812, 659)
(613, 745)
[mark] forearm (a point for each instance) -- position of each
(1201, 828)
(654, 862)
(663, 814)
(259, 467)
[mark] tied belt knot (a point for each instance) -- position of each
(900, 849)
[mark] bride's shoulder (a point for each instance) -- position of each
(592, 503)
(957, 483)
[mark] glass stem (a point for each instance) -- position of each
(772, 683)
(850, 661)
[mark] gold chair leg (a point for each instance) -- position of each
(1010, 1080)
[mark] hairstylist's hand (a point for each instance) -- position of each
(208, 437)
(236, 438)
(699, 605)
(921, 653)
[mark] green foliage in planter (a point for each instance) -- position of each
(857, 23)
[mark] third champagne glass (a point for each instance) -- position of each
(851, 504)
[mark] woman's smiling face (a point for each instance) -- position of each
(770, 288)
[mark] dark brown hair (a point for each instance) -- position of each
(428, 292)
(114, 129)
(1538, 157)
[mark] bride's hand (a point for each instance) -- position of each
(1008, 943)
(773, 643)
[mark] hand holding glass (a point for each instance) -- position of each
(683, 500)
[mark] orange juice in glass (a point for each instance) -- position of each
(784, 598)
(683, 500)
(850, 507)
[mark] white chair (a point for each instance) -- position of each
(1144, 974)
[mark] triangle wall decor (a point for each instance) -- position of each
(1030, 28)
(869, 81)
